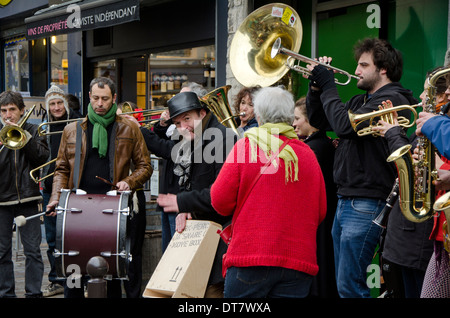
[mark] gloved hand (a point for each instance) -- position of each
(322, 77)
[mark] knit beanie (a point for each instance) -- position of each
(55, 92)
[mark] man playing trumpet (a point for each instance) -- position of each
(363, 177)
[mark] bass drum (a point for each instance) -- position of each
(92, 225)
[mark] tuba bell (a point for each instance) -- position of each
(217, 102)
(264, 47)
(15, 137)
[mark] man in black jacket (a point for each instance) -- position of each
(197, 158)
(19, 195)
(363, 177)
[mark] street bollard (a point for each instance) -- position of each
(97, 267)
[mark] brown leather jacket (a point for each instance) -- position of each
(127, 146)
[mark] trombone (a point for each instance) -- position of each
(148, 112)
(14, 137)
(145, 112)
(44, 132)
(36, 179)
(383, 114)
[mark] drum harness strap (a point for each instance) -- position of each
(76, 171)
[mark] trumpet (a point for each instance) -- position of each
(44, 132)
(277, 49)
(14, 137)
(383, 114)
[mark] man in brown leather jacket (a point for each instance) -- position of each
(110, 143)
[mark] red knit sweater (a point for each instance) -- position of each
(277, 224)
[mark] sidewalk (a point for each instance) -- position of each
(19, 267)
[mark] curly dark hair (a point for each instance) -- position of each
(384, 56)
(242, 93)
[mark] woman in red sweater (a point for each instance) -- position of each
(273, 248)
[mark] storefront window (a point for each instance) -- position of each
(106, 68)
(59, 62)
(169, 70)
(16, 65)
(150, 81)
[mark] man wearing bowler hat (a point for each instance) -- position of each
(198, 158)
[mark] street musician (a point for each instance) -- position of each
(19, 194)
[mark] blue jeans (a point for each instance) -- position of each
(355, 238)
(266, 281)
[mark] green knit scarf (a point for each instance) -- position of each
(99, 134)
(263, 137)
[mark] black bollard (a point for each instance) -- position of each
(97, 267)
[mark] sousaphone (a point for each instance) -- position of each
(251, 48)
(265, 47)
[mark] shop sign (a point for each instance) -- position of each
(75, 18)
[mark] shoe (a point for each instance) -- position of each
(52, 290)
(33, 295)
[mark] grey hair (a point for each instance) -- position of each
(196, 88)
(274, 105)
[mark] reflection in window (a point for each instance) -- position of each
(59, 62)
(106, 68)
(16, 65)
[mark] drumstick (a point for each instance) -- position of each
(21, 220)
(107, 182)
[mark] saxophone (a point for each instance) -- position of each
(416, 190)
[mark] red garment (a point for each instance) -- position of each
(277, 224)
(436, 233)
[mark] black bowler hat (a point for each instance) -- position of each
(181, 103)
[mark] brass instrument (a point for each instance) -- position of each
(36, 179)
(217, 102)
(44, 132)
(14, 137)
(442, 204)
(255, 57)
(417, 192)
(383, 114)
(145, 112)
(127, 109)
